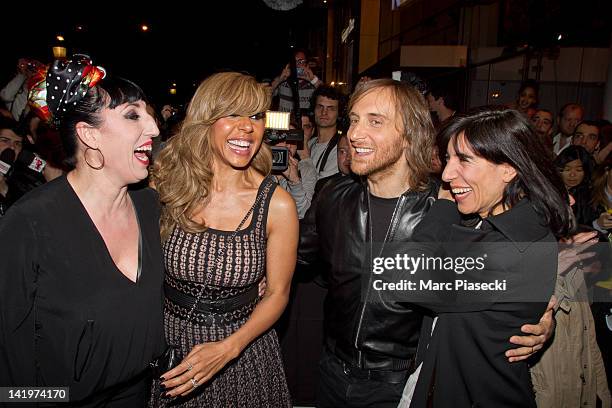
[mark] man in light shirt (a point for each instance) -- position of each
(327, 104)
(570, 116)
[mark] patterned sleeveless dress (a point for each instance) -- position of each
(256, 378)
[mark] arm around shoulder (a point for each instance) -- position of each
(442, 214)
(308, 249)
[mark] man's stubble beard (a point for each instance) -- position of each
(382, 165)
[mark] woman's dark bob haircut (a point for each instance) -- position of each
(108, 93)
(571, 153)
(501, 135)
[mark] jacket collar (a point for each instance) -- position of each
(432, 185)
(520, 224)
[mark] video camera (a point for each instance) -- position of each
(277, 130)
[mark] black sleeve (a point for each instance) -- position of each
(590, 214)
(436, 224)
(18, 272)
(426, 242)
(308, 249)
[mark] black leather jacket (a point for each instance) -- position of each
(370, 335)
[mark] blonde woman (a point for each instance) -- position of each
(224, 227)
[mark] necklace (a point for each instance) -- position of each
(371, 229)
(370, 276)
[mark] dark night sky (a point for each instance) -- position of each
(189, 40)
(185, 43)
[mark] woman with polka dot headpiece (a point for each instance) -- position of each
(81, 271)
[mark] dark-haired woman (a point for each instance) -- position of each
(81, 271)
(575, 166)
(503, 179)
(527, 98)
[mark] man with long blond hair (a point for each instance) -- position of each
(371, 345)
(224, 226)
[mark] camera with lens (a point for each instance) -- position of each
(277, 130)
(280, 159)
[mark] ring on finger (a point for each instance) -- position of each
(194, 382)
(189, 366)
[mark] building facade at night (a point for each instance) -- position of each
(483, 49)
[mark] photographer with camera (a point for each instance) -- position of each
(15, 94)
(300, 176)
(31, 153)
(307, 83)
(11, 144)
(170, 116)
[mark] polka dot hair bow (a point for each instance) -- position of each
(68, 82)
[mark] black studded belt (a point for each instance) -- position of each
(220, 306)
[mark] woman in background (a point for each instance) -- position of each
(575, 165)
(527, 100)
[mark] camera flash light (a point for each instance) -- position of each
(277, 120)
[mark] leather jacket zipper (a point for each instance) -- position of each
(390, 229)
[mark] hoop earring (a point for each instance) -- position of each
(89, 164)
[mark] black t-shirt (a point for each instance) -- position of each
(381, 210)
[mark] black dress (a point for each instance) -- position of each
(68, 316)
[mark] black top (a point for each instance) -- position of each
(583, 209)
(382, 211)
(68, 316)
(465, 365)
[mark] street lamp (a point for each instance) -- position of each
(59, 51)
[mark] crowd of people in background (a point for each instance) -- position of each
(579, 147)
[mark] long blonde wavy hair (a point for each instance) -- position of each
(183, 171)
